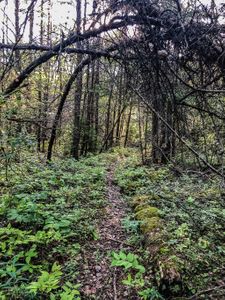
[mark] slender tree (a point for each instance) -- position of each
(78, 91)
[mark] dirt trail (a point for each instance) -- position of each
(98, 279)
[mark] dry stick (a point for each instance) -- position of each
(211, 113)
(176, 134)
(114, 286)
(207, 291)
(43, 48)
(119, 242)
(32, 121)
(196, 88)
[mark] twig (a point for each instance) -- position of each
(114, 286)
(206, 291)
(120, 242)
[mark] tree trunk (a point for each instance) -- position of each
(128, 126)
(96, 100)
(78, 92)
(17, 33)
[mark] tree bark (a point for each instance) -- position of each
(78, 92)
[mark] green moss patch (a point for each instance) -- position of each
(146, 213)
(141, 207)
(150, 224)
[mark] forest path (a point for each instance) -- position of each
(99, 280)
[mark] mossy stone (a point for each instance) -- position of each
(147, 212)
(149, 224)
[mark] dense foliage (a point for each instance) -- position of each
(187, 250)
(47, 213)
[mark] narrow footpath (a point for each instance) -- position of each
(99, 280)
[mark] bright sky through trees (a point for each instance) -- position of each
(62, 14)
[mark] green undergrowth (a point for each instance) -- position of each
(47, 213)
(182, 223)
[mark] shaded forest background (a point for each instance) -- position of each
(139, 73)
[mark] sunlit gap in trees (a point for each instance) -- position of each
(62, 18)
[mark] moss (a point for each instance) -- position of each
(149, 224)
(146, 213)
(140, 207)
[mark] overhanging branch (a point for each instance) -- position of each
(60, 47)
(34, 47)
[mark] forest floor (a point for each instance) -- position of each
(108, 228)
(96, 275)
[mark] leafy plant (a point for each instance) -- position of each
(129, 262)
(150, 294)
(70, 292)
(47, 281)
(131, 225)
(46, 211)
(135, 281)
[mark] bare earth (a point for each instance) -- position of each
(98, 279)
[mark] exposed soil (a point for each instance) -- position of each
(99, 280)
